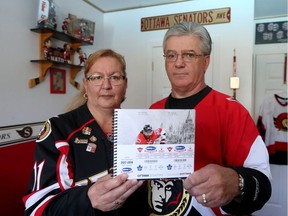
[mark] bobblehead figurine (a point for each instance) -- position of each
(82, 56)
(47, 49)
(65, 25)
(67, 53)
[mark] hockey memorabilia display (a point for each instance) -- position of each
(272, 126)
(81, 56)
(154, 144)
(205, 17)
(14, 134)
(79, 28)
(271, 32)
(47, 14)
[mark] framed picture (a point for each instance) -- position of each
(57, 81)
(271, 32)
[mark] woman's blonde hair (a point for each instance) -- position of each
(81, 97)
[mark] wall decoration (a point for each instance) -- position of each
(79, 28)
(205, 17)
(57, 81)
(47, 14)
(12, 134)
(271, 32)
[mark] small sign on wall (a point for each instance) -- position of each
(271, 32)
(19, 133)
(205, 17)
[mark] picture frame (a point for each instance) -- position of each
(57, 81)
(271, 32)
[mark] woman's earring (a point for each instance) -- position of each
(85, 96)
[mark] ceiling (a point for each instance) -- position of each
(106, 6)
(263, 8)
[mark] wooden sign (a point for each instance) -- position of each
(205, 17)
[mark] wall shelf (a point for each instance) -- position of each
(45, 64)
(60, 35)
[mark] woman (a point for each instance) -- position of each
(74, 150)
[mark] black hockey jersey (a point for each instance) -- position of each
(72, 152)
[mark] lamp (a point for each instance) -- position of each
(234, 84)
(234, 80)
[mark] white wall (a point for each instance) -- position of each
(122, 32)
(20, 104)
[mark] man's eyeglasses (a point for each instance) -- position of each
(96, 79)
(187, 56)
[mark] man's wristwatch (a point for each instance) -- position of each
(241, 184)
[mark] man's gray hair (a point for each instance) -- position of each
(191, 28)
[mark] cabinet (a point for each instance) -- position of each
(45, 64)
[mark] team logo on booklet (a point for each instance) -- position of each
(45, 131)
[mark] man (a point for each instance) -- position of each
(232, 173)
(149, 136)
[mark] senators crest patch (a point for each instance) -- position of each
(45, 131)
(281, 122)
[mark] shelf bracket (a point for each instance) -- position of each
(44, 66)
(73, 73)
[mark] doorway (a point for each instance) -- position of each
(270, 79)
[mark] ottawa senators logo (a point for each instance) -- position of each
(26, 132)
(45, 131)
(168, 197)
(281, 122)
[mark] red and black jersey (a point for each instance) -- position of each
(157, 136)
(225, 134)
(72, 152)
(272, 125)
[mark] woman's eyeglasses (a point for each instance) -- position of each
(97, 79)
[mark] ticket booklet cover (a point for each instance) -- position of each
(154, 143)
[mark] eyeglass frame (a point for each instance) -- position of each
(120, 77)
(184, 52)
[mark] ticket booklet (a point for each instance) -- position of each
(154, 143)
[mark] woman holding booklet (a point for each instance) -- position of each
(74, 150)
(232, 173)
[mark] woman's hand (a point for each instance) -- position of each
(110, 193)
